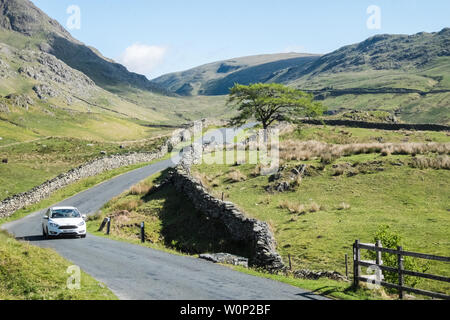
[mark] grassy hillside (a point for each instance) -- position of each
(410, 108)
(31, 273)
(348, 196)
(178, 110)
(216, 78)
(32, 163)
(24, 18)
(407, 75)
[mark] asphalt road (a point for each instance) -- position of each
(134, 272)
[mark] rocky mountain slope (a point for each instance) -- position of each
(51, 84)
(396, 53)
(406, 75)
(409, 54)
(216, 78)
(23, 17)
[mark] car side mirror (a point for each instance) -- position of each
(84, 217)
(46, 217)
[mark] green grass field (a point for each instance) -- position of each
(384, 191)
(169, 223)
(28, 272)
(412, 108)
(347, 135)
(32, 163)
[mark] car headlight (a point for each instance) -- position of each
(53, 225)
(81, 224)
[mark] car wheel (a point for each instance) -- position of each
(83, 236)
(44, 234)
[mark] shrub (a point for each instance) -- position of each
(343, 206)
(256, 171)
(305, 150)
(237, 176)
(95, 216)
(205, 180)
(128, 205)
(339, 171)
(297, 181)
(139, 189)
(314, 207)
(293, 208)
(391, 240)
(440, 162)
(327, 158)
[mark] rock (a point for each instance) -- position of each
(314, 275)
(275, 177)
(4, 108)
(44, 91)
(5, 160)
(279, 187)
(225, 258)
(103, 153)
(20, 100)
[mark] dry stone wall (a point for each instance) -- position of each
(380, 126)
(255, 233)
(93, 168)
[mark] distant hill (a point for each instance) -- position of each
(406, 75)
(395, 53)
(53, 85)
(23, 17)
(216, 78)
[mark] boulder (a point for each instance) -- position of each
(225, 258)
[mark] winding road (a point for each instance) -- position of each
(135, 272)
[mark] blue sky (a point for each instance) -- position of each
(157, 37)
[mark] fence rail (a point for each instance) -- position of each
(400, 253)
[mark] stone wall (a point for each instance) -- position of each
(255, 233)
(380, 126)
(92, 168)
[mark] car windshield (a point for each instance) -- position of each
(65, 213)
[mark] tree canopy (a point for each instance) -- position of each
(270, 102)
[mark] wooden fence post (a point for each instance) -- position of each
(346, 266)
(142, 232)
(400, 272)
(356, 259)
(378, 259)
(290, 263)
(102, 226)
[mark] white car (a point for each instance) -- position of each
(64, 221)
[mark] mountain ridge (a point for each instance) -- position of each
(213, 78)
(23, 17)
(377, 53)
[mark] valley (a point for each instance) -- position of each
(63, 104)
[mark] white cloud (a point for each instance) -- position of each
(143, 59)
(295, 48)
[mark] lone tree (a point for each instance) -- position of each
(270, 102)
